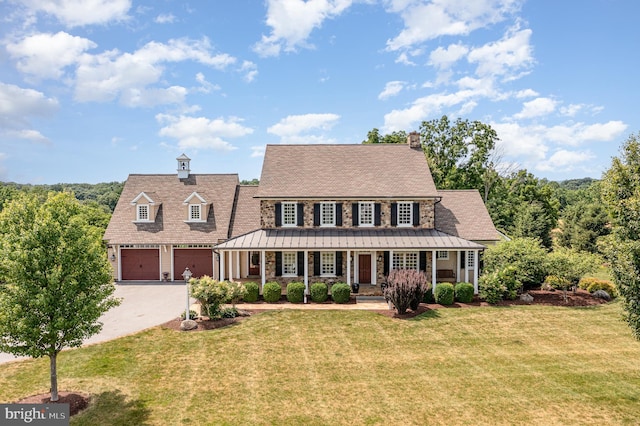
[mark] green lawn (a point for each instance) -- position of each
(515, 365)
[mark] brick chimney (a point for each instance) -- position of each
(413, 139)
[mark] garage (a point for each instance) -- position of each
(199, 261)
(140, 264)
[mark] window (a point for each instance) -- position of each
(327, 214)
(194, 212)
(288, 214)
(470, 259)
(143, 212)
(290, 263)
(405, 260)
(365, 214)
(327, 263)
(405, 214)
(442, 255)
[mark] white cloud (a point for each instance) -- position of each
(427, 21)
(292, 22)
(564, 160)
(403, 58)
(46, 55)
(250, 71)
(165, 18)
(519, 141)
(76, 13)
(506, 57)
(152, 97)
(300, 128)
(444, 58)
(536, 108)
(205, 86)
(257, 151)
(526, 93)
(17, 105)
(392, 88)
(202, 132)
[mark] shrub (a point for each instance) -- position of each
(554, 282)
(230, 312)
(525, 255)
(192, 314)
(340, 292)
(444, 293)
(252, 292)
(428, 297)
(319, 292)
(295, 292)
(235, 293)
(210, 294)
(405, 288)
(272, 292)
(585, 282)
(570, 265)
(496, 285)
(464, 292)
(605, 285)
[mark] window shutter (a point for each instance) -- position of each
(278, 214)
(300, 263)
(338, 263)
(316, 214)
(480, 261)
(463, 259)
(300, 214)
(354, 213)
(394, 214)
(338, 214)
(278, 264)
(316, 263)
(386, 263)
(416, 214)
(423, 261)
(377, 221)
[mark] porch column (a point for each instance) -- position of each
(263, 268)
(374, 268)
(221, 265)
(475, 271)
(466, 267)
(306, 271)
(349, 268)
(238, 270)
(231, 266)
(433, 271)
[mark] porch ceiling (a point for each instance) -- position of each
(352, 239)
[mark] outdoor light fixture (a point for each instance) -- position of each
(113, 257)
(187, 274)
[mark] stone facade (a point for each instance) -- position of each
(268, 213)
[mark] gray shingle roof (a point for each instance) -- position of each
(342, 239)
(169, 226)
(345, 171)
(246, 212)
(462, 213)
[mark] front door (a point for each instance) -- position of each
(364, 269)
(254, 263)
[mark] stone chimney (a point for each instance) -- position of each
(413, 139)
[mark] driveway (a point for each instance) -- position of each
(144, 305)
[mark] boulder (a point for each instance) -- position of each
(601, 294)
(188, 325)
(526, 297)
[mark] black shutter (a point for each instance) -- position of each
(423, 261)
(377, 214)
(354, 213)
(316, 263)
(278, 263)
(338, 263)
(416, 214)
(463, 264)
(394, 214)
(338, 214)
(300, 214)
(278, 214)
(300, 263)
(316, 214)
(385, 268)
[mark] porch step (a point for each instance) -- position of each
(370, 299)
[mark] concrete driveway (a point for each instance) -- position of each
(144, 305)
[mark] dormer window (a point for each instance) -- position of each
(195, 203)
(194, 212)
(144, 204)
(143, 212)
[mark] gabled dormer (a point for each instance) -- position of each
(145, 207)
(196, 208)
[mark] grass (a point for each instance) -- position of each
(516, 365)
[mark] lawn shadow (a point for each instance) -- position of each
(427, 315)
(113, 408)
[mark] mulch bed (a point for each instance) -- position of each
(77, 401)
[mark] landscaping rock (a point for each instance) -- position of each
(601, 294)
(526, 297)
(187, 325)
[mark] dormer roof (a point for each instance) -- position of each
(144, 196)
(195, 195)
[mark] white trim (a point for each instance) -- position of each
(433, 271)
(190, 218)
(138, 216)
(438, 252)
(140, 195)
(333, 223)
(373, 214)
(295, 214)
(221, 266)
(475, 271)
(263, 268)
(349, 268)
(306, 271)
(403, 225)
(194, 194)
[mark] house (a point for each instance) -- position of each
(330, 213)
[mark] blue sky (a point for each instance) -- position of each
(92, 90)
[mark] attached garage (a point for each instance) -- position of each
(140, 264)
(199, 261)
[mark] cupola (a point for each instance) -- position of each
(183, 166)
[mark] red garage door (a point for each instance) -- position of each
(140, 264)
(199, 261)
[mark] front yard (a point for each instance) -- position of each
(498, 365)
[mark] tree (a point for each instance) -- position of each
(373, 137)
(582, 225)
(55, 280)
(621, 194)
(569, 266)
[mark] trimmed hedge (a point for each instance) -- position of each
(272, 292)
(592, 284)
(295, 292)
(253, 292)
(340, 292)
(319, 292)
(444, 293)
(464, 292)
(428, 297)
